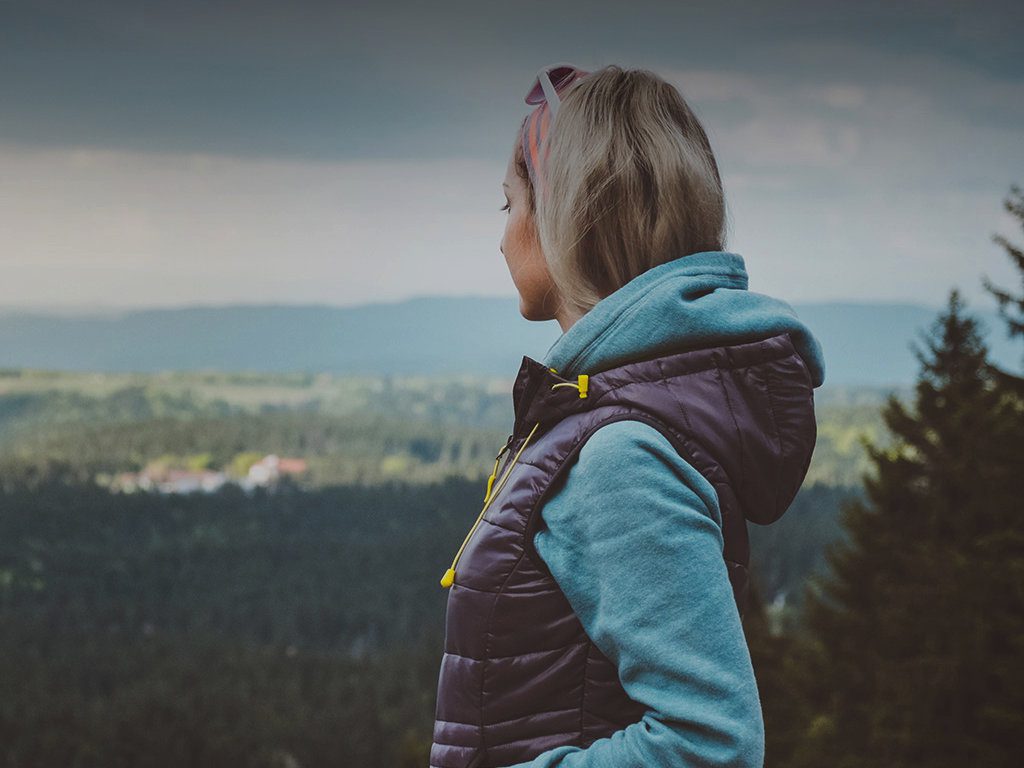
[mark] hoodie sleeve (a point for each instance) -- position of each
(634, 540)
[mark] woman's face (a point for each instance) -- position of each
(521, 247)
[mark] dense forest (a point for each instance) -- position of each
(240, 626)
(301, 624)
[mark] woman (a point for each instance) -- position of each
(594, 611)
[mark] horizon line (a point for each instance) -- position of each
(97, 308)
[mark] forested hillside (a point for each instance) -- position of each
(301, 622)
(349, 429)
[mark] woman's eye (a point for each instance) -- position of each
(505, 207)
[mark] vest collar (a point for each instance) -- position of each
(541, 397)
(536, 399)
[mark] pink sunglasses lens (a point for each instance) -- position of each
(536, 94)
(560, 77)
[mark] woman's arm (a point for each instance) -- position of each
(634, 540)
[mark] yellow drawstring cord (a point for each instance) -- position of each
(582, 383)
(449, 576)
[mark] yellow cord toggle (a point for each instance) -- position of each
(583, 382)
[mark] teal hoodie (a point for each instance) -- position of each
(643, 570)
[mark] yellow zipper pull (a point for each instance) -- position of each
(490, 481)
(494, 472)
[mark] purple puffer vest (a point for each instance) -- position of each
(519, 674)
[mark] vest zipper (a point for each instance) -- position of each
(449, 576)
(582, 384)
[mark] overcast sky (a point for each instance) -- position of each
(169, 153)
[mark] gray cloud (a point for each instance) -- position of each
(333, 80)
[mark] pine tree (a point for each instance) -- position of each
(913, 642)
(1014, 204)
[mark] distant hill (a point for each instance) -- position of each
(865, 343)
(869, 344)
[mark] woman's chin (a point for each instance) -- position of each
(533, 312)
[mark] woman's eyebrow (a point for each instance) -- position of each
(505, 184)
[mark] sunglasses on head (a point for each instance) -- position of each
(550, 80)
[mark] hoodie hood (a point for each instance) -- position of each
(761, 426)
(698, 300)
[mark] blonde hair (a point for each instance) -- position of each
(631, 183)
